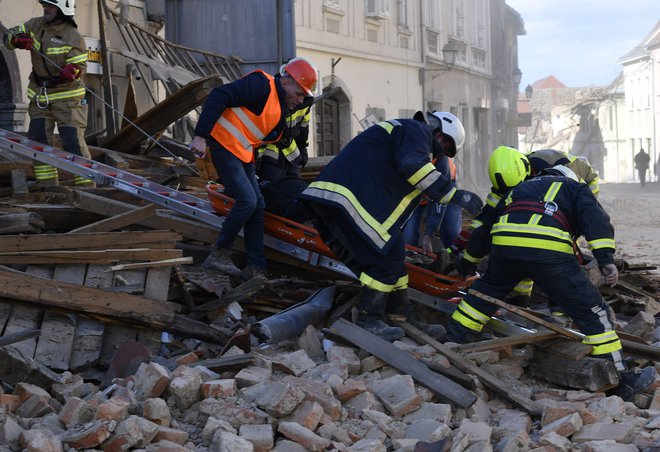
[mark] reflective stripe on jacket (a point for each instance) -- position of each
(62, 44)
(296, 121)
(377, 179)
(239, 130)
(540, 218)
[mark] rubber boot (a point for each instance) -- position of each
(459, 334)
(371, 315)
(634, 382)
(399, 304)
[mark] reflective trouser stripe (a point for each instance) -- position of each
(45, 172)
(368, 281)
(606, 342)
(80, 180)
(524, 287)
(469, 317)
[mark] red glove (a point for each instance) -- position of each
(70, 72)
(460, 242)
(22, 41)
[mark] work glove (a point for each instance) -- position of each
(426, 243)
(22, 41)
(70, 72)
(468, 201)
(460, 242)
(610, 275)
(303, 157)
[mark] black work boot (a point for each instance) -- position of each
(372, 313)
(634, 382)
(399, 304)
(220, 260)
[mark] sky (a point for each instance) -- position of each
(580, 41)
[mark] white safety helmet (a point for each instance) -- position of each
(560, 170)
(66, 6)
(448, 124)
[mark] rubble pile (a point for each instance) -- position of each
(315, 395)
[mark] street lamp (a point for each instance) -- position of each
(449, 52)
(517, 76)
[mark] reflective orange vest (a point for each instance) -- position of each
(239, 130)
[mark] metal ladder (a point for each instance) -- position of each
(191, 206)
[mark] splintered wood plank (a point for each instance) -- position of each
(87, 241)
(119, 221)
(58, 330)
(24, 318)
(88, 336)
(439, 384)
(93, 256)
(5, 312)
(27, 317)
(115, 335)
(156, 287)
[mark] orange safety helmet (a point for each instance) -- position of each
(303, 72)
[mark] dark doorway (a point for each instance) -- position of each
(327, 127)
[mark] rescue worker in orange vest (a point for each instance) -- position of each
(59, 61)
(236, 119)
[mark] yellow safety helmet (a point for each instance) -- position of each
(507, 167)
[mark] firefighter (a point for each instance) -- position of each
(57, 96)
(364, 196)
(279, 164)
(236, 119)
(545, 158)
(530, 233)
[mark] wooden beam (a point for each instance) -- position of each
(154, 264)
(531, 317)
(87, 300)
(86, 241)
(119, 221)
(494, 344)
(90, 256)
(190, 229)
(469, 367)
(439, 384)
(159, 117)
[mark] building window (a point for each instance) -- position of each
(378, 9)
(478, 58)
(332, 25)
(372, 34)
(402, 13)
(432, 42)
(404, 41)
(334, 4)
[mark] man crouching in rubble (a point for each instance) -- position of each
(364, 196)
(530, 234)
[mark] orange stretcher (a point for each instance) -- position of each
(309, 239)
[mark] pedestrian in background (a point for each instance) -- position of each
(642, 160)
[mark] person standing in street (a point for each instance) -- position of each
(364, 196)
(236, 119)
(642, 160)
(57, 96)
